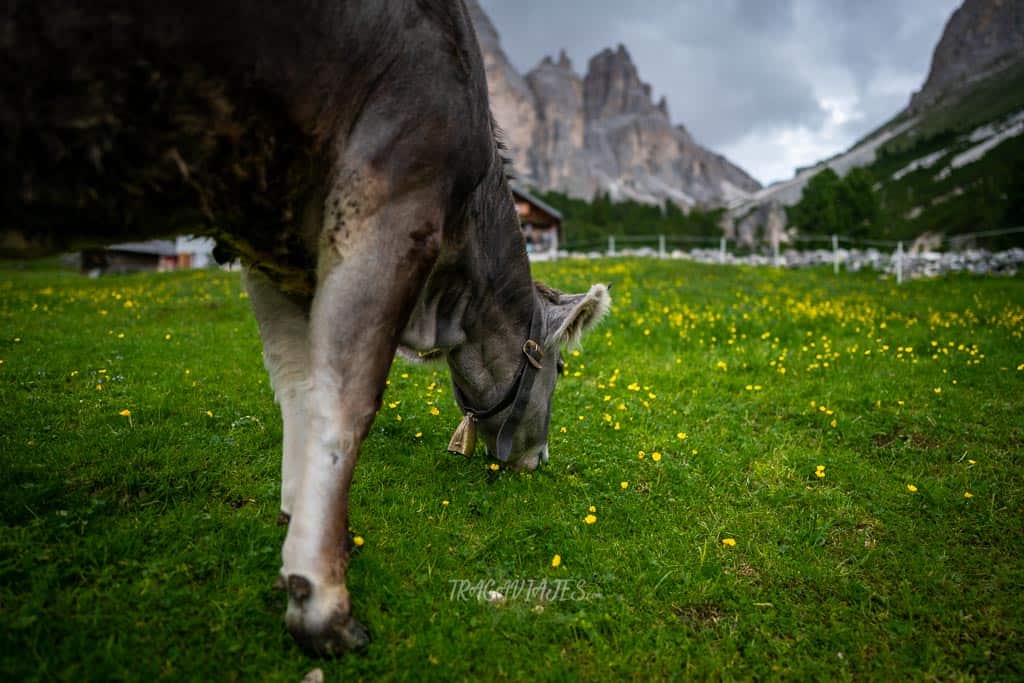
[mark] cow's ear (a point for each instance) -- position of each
(569, 316)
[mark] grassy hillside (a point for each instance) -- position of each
(791, 474)
(978, 196)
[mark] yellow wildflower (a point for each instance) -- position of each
(911, 488)
(125, 413)
(590, 519)
(655, 456)
(968, 494)
(359, 541)
(556, 561)
(729, 542)
(624, 484)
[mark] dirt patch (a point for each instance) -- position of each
(917, 440)
(704, 615)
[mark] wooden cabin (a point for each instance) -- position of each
(541, 223)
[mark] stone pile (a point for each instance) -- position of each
(924, 264)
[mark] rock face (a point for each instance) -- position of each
(601, 132)
(980, 38)
(613, 87)
(556, 158)
(766, 225)
(512, 100)
(635, 152)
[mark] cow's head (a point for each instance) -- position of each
(518, 434)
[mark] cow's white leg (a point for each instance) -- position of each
(372, 269)
(284, 329)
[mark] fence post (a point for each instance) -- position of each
(899, 262)
(721, 250)
(611, 245)
(835, 254)
(661, 246)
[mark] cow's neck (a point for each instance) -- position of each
(480, 299)
(500, 297)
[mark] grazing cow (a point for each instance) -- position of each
(345, 151)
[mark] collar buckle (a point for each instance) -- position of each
(534, 353)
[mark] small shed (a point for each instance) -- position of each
(541, 222)
(160, 255)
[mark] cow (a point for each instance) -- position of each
(345, 151)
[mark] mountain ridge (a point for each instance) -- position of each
(600, 132)
(935, 160)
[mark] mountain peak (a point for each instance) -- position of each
(612, 86)
(563, 60)
(563, 63)
(981, 37)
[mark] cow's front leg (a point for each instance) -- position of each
(369, 279)
(284, 329)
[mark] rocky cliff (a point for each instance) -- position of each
(981, 37)
(556, 151)
(601, 131)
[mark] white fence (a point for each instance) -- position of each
(838, 251)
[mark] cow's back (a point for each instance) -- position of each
(126, 121)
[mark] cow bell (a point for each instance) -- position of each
(464, 439)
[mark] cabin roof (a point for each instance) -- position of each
(522, 193)
(157, 247)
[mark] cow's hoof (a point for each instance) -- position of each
(319, 619)
(283, 518)
(341, 634)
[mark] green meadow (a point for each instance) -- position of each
(754, 474)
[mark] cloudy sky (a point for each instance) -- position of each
(772, 84)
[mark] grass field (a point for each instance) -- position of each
(791, 475)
